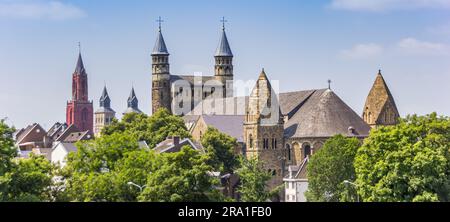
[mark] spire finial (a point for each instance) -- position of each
(379, 71)
(79, 47)
(223, 22)
(159, 20)
(329, 84)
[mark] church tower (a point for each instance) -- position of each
(79, 110)
(104, 115)
(132, 103)
(380, 108)
(223, 69)
(264, 130)
(161, 97)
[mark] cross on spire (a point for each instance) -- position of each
(159, 20)
(329, 84)
(223, 22)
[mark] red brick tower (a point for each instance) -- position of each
(80, 111)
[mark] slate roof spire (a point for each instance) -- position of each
(80, 66)
(160, 45)
(224, 47)
(133, 103)
(105, 101)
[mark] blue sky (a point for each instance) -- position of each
(300, 43)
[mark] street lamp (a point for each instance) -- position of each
(140, 187)
(355, 185)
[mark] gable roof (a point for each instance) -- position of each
(68, 147)
(70, 129)
(232, 125)
(32, 133)
(168, 145)
(77, 136)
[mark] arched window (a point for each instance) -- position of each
(306, 150)
(265, 143)
(250, 141)
(288, 152)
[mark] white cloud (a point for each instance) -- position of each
(383, 5)
(53, 10)
(362, 51)
(417, 47)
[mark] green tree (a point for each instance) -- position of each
(406, 162)
(329, 167)
(135, 167)
(152, 129)
(220, 148)
(7, 149)
(182, 177)
(28, 180)
(90, 173)
(253, 181)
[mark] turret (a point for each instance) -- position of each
(161, 97)
(223, 69)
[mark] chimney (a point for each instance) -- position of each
(176, 140)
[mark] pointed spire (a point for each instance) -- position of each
(262, 75)
(224, 47)
(263, 103)
(105, 101)
(380, 107)
(160, 45)
(80, 66)
(133, 103)
(132, 99)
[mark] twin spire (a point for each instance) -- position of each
(223, 50)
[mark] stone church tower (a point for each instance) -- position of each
(104, 115)
(380, 108)
(79, 110)
(161, 96)
(223, 69)
(263, 129)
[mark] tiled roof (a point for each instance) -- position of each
(77, 136)
(231, 125)
(324, 114)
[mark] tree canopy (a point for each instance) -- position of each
(253, 181)
(329, 167)
(182, 177)
(406, 162)
(7, 149)
(152, 129)
(220, 148)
